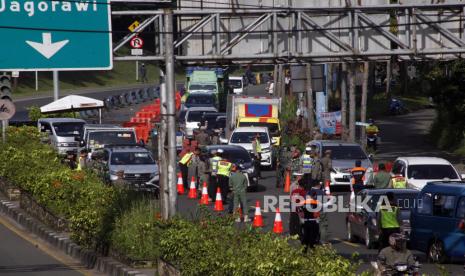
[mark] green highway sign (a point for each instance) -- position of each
(61, 35)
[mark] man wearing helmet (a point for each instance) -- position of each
(372, 134)
(396, 254)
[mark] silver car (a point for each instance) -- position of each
(62, 133)
(137, 163)
(343, 156)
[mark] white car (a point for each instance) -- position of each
(237, 84)
(418, 171)
(242, 136)
(193, 118)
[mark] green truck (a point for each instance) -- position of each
(206, 80)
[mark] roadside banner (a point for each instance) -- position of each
(330, 122)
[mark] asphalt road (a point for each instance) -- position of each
(21, 254)
(402, 135)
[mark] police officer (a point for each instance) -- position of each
(238, 187)
(295, 161)
(284, 161)
(358, 176)
(193, 168)
(223, 173)
(202, 138)
(388, 219)
(323, 226)
(214, 169)
(184, 165)
(203, 169)
(398, 182)
(306, 161)
(257, 152)
(82, 163)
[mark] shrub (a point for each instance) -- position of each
(137, 232)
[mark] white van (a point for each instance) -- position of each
(62, 133)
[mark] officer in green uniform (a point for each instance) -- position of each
(388, 219)
(204, 171)
(295, 162)
(284, 163)
(238, 186)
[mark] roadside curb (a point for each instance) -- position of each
(87, 258)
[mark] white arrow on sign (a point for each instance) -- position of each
(47, 48)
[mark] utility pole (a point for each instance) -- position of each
(344, 99)
(352, 103)
(163, 154)
(170, 115)
(311, 120)
(363, 111)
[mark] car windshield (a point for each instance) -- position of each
(246, 137)
(132, 158)
(431, 172)
(196, 116)
(346, 152)
(273, 128)
(235, 83)
(101, 138)
(200, 99)
(68, 129)
(207, 87)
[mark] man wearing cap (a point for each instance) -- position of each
(238, 186)
(186, 158)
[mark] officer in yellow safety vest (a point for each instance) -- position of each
(371, 129)
(398, 182)
(81, 162)
(214, 160)
(257, 152)
(388, 219)
(184, 166)
(223, 173)
(306, 161)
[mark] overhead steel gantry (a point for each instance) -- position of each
(295, 35)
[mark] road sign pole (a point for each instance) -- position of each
(37, 80)
(56, 86)
(137, 70)
(171, 110)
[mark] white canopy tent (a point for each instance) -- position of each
(73, 103)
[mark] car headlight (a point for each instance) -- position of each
(62, 144)
(113, 176)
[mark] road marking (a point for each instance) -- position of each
(41, 246)
(348, 243)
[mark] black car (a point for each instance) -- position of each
(201, 100)
(241, 157)
(363, 224)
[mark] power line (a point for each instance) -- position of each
(360, 27)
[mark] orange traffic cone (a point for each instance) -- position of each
(180, 185)
(204, 198)
(287, 183)
(257, 219)
(192, 190)
(327, 189)
(278, 223)
(219, 201)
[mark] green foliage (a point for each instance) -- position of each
(214, 246)
(79, 197)
(137, 232)
(35, 114)
(293, 133)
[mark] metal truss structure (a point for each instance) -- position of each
(299, 35)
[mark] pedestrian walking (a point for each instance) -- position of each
(382, 177)
(143, 73)
(238, 187)
(186, 158)
(388, 219)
